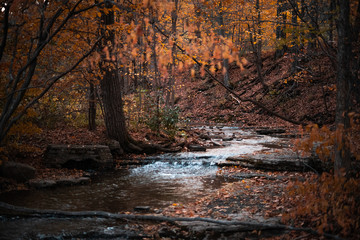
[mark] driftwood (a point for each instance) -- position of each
(224, 224)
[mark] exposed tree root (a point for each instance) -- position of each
(134, 146)
(226, 225)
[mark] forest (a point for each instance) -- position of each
(96, 91)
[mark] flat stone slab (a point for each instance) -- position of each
(48, 183)
(270, 131)
(79, 156)
(197, 148)
(274, 162)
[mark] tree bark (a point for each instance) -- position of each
(222, 33)
(111, 90)
(344, 78)
(280, 29)
(92, 107)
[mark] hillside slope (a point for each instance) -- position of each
(306, 96)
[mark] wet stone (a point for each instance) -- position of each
(47, 183)
(18, 171)
(197, 148)
(42, 183)
(270, 131)
(142, 209)
(228, 138)
(79, 156)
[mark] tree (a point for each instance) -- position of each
(344, 79)
(31, 33)
(280, 28)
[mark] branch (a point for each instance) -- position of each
(5, 28)
(102, 214)
(356, 25)
(256, 103)
(331, 56)
(52, 82)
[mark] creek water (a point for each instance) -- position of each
(170, 178)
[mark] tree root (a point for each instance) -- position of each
(134, 146)
(224, 224)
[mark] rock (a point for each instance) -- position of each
(275, 162)
(204, 136)
(228, 138)
(44, 183)
(115, 148)
(79, 156)
(142, 209)
(270, 131)
(72, 181)
(18, 171)
(47, 183)
(167, 233)
(197, 148)
(216, 136)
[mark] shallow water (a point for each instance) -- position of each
(171, 178)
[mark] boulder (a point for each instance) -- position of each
(79, 157)
(270, 131)
(43, 183)
(115, 148)
(73, 181)
(18, 171)
(228, 138)
(142, 209)
(48, 183)
(197, 148)
(274, 162)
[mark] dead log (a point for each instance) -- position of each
(225, 225)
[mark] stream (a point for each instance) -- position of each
(170, 178)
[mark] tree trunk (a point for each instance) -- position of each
(92, 107)
(222, 33)
(294, 39)
(170, 93)
(111, 90)
(342, 152)
(280, 29)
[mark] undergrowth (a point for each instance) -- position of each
(326, 203)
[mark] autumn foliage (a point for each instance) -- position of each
(326, 203)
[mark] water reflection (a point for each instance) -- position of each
(173, 178)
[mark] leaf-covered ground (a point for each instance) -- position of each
(306, 96)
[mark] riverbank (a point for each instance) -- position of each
(234, 194)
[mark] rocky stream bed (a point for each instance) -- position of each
(230, 187)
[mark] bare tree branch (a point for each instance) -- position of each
(5, 27)
(52, 82)
(256, 103)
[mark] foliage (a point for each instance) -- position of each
(15, 143)
(327, 203)
(41, 44)
(322, 140)
(150, 110)
(170, 119)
